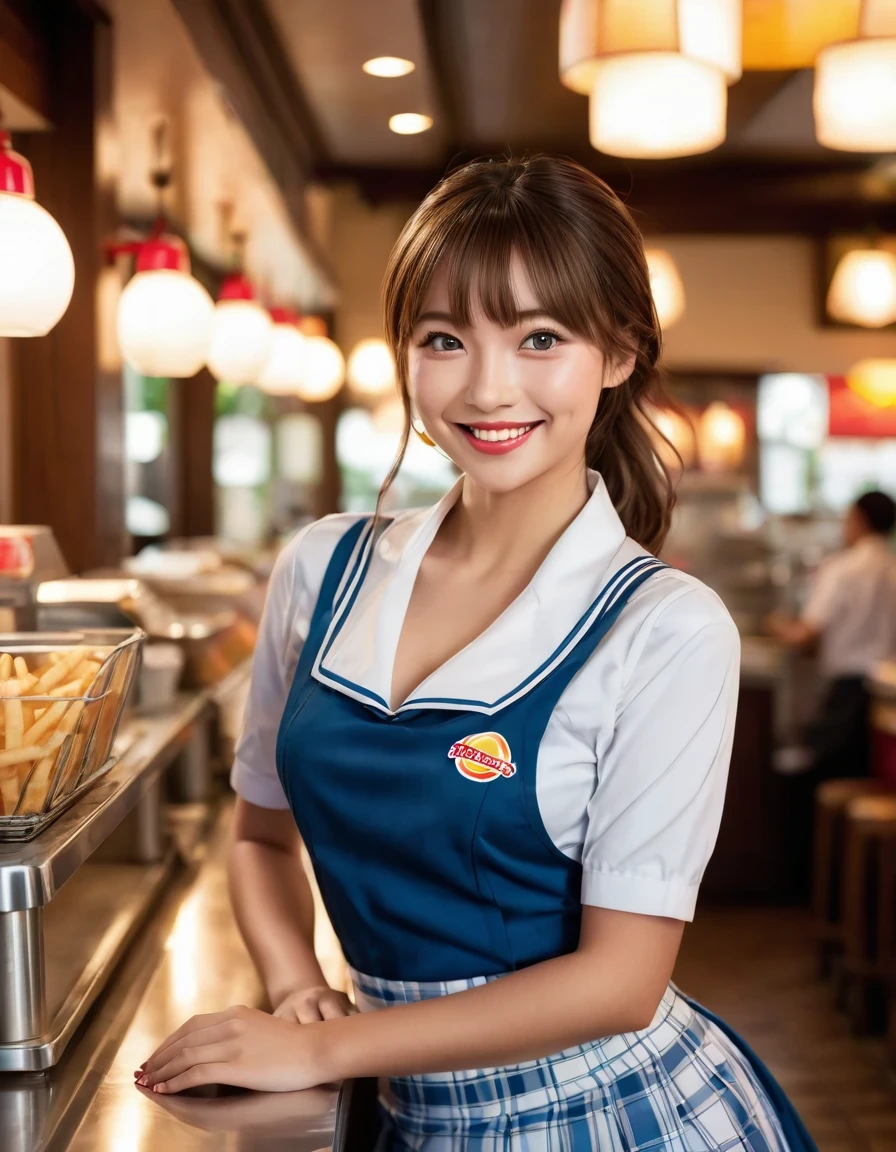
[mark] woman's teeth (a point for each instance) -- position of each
(502, 434)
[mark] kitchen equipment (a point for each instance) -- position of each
(214, 640)
(29, 554)
(160, 674)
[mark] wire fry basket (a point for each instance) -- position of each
(61, 701)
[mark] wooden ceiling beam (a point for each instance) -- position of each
(695, 197)
(432, 23)
(242, 52)
(749, 96)
(25, 61)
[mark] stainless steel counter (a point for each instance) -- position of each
(189, 959)
(72, 898)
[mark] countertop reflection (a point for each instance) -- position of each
(189, 959)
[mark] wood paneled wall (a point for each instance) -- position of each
(66, 417)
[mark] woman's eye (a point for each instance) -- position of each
(441, 342)
(541, 341)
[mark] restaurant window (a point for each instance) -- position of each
(298, 469)
(366, 444)
(791, 422)
(148, 467)
(821, 445)
(242, 463)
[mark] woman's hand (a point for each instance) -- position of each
(272, 1114)
(311, 1005)
(241, 1046)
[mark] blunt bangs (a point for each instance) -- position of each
(477, 249)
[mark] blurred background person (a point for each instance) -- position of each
(850, 621)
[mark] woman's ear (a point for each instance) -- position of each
(620, 371)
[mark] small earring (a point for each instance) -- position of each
(430, 443)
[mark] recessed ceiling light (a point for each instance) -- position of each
(409, 123)
(388, 66)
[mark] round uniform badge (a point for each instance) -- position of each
(483, 757)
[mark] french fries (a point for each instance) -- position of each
(47, 718)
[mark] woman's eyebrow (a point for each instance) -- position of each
(446, 316)
(527, 314)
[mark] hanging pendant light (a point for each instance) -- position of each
(721, 437)
(855, 85)
(281, 374)
(874, 381)
(323, 366)
(241, 333)
(37, 271)
(656, 71)
(674, 440)
(863, 288)
(164, 314)
(371, 369)
(782, 35)
(666, 286)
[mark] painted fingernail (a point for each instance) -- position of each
(143, 1081)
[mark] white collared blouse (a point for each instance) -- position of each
(631, 772)
(853, 605)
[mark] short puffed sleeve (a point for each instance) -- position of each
(291, 598)
(654, 815)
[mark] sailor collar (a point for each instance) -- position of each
(578, 579)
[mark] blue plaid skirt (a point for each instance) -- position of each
(681, 1084)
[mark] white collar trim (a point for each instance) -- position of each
(581, 577)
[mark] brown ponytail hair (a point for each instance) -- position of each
(585, 259)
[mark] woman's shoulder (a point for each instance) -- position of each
(303, 560)
(676, 606)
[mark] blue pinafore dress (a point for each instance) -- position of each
(438, 875)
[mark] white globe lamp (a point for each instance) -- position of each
(281, 372)
(323, 369)
(39, 271)
(666, 286)
(241, 334)
(164, 314)
(371, 369)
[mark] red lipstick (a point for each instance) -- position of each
(498, 447)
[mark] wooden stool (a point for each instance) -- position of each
(831, 800)
(887, 936)
(870, 824)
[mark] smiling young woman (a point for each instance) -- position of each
(502, 727)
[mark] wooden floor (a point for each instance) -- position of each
(756, 968)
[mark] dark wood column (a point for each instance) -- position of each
(67, 414)
(191, 409)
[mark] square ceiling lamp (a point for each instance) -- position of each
(863, 288)
(787, 34)
(656, 71)
(855, 85)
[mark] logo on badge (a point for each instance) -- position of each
(482, 757)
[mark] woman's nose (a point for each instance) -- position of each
(493, 382)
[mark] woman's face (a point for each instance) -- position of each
(506, 404)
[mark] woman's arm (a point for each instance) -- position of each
(272, 899)
(611, 984)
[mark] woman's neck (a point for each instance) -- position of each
(490, 530)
